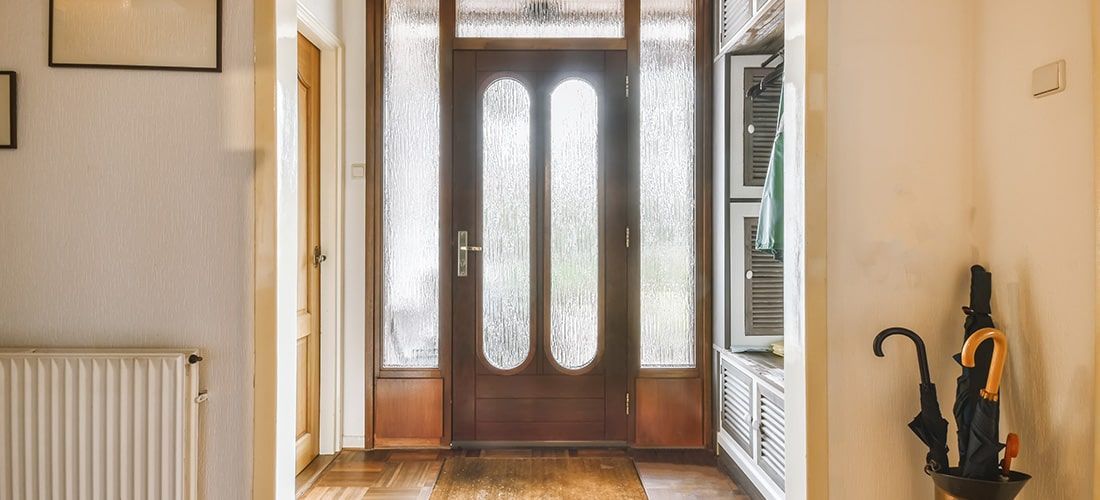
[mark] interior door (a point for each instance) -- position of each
(309, 252)
(540, 330)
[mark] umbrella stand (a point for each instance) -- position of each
(952, 486)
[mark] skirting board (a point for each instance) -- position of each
(354, 442)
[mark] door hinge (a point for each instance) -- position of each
(628, 86)
(628, 403)
(318, 257)
(628, 236)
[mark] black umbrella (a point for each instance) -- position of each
(967, 392)
(983, 445)
(929, 424)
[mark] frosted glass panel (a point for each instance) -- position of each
(574, 224)
(410, 185)
(667, 225)
(540, 18)
(506, 224)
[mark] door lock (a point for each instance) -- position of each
(318, 257)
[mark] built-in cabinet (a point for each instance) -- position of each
(748, 285)
(751, 417)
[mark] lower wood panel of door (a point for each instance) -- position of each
(408, 412)
(541, 410)
(669, 413)
(540, 431)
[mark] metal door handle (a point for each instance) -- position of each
(464, 249)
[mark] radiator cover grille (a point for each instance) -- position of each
(97, 425)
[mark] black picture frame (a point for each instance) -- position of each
(13, 108)
(217, 68)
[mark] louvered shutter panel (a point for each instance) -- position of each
(734, 15)
(761, 119)
(773, 444)
(737, 406)
(763, 287)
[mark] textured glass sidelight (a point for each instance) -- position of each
(539, 18)
(506, 224)
(574, 224)
(666, 89)
(410, 185)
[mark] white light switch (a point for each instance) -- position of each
(358, 170)
(1049, 79)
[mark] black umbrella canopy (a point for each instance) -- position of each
(983, 442)
(929, 425)
(969, 383)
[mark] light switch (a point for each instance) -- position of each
(358, 170)
(1049, 79)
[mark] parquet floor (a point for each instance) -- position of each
(411, 474)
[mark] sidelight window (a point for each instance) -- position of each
(667, 184)
(410, 185)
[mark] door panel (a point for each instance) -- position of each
(539, 348)
(309, 240)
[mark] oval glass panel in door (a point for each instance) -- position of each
(506, 224)
(574, 224)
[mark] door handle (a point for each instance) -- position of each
(464, 249)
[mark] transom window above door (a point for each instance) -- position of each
(539, 19)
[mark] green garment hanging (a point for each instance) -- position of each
(769, 231)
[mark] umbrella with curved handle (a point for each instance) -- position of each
(922, 353)
(929, 425)
(984, 443)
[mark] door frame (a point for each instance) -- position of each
(332, 226)
(665, 380)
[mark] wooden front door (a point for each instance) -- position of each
(309, 246)
(540, 192)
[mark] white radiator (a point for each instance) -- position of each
(98, 424)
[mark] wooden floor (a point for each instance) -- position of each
(411, 474)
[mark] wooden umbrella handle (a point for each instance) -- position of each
(1012, 450)
(996, 365)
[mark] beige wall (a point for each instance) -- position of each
(938, 157)
(899, 238)
(1035, 227)
(126, 219)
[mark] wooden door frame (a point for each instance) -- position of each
(332, 226)
(448, 43)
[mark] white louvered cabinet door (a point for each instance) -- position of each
(737, 406)
(772, 447)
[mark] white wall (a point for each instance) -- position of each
(1035, 228)
(899, 229)
(355, 45)
(328, 12)
(126, 219)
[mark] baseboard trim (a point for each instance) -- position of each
(354, 442)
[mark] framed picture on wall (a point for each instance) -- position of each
(180, 35)
(8, 113)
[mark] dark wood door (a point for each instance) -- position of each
(540, 190)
